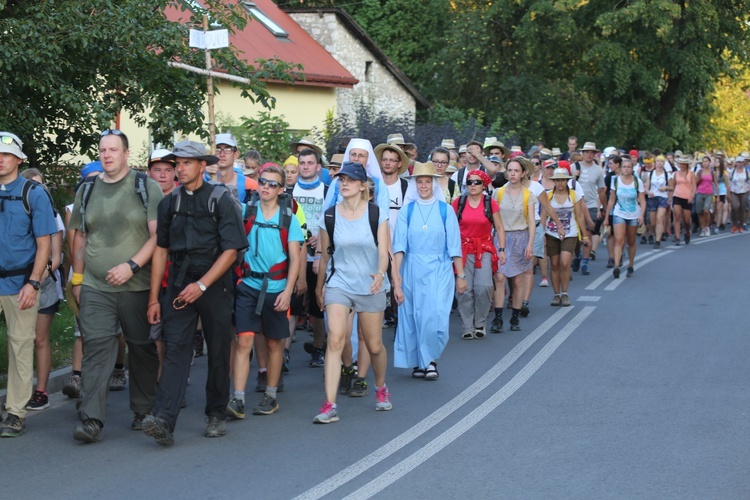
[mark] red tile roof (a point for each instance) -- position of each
(257, 42)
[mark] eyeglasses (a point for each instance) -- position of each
(111, 131)
(268, 182)
(474, 182)
(535, 163)
(224, 151)
(440, 163)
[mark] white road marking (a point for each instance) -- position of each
(616, 282)
(361, 466)
(457, 430)
(714, 238)
(588, 298)
(608, 274)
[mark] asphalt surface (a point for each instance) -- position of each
(640, 390)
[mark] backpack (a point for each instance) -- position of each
(88, 186)
(287, 209)
(451, 187)
(28, 185)
(635, 181)
(373, 214)
(526, 198)
(487, 207)
(404, 187)
(572, 196)
(651, 178)
(410, 210)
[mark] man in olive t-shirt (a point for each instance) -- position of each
(111, 277)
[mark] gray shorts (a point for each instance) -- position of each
(703, 202)
(539, 241)
(357, 303)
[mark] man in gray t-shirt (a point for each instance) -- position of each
(591, 179)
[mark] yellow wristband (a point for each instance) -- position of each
(77, 279)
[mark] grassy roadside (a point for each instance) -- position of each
(61, 340)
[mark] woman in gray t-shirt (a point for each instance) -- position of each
(355, 280)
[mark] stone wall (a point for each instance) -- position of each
(377, 86)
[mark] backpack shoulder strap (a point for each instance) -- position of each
(500, 193)
(451, 187)
(409, 212)
(443, 206)
(526, 198)
(329, 219)
(325, 190)
(86, 188)
(487, 199)
(461, 174)
(461, 205)
(373, 213)
(140, 188)
(404, 187)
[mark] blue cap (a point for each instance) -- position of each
(88, 169)
(353, 170)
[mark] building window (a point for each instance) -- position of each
(265, 20)
(368, 67)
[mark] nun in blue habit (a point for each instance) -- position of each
(426, 247)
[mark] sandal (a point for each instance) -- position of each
(468, 336)
(417, 372)
(479, 333)
(431, 373)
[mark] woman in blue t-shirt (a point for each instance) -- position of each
(627, 204)
(355, 280)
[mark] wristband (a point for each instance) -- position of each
(77, 279)
(501, 249)
(152, 304)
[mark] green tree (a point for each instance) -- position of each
(68, 68)
(730, 124)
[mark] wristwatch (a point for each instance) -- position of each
(383, 275)
(35, 284)
(133, 266)
(201, 286)
(501, 249)
(461, 276)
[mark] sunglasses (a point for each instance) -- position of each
(111, 131)
(10, 139)
(267, 182)
(474, 182)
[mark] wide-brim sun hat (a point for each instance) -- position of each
(560, 174)
(426, 169)
(306, 141)
(193, 150)
(492, 142)
(396, 149)
(589, 146)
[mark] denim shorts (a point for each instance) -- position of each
(656, 202)
(357, 303)
(619, 220)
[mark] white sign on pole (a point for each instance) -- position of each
(217, 39)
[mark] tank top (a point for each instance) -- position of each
(681, 185)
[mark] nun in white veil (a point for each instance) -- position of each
(426, 247)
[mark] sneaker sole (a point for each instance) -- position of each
(317, 420)
(115, 388)
(71, 392)
(84, 437)
(161, 436)
(12, 433)
(234, 414)
(384, 408)
(353, 394)
(273, 410)
(215, 434)
(38, 408)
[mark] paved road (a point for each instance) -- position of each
(638, 390)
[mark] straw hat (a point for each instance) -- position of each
(305, 141)
(683, 159)
(492, 142)
(398, 140)
(556, 152)
(589, 146)
(448, 144)
(452, 167)
(560, 173)
(426, 169)
(336, 160)
(462, 148)
(401, 155)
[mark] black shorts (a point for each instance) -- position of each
(274, 324)
(50, 309)
(681, 202)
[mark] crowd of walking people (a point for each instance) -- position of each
(228, 256)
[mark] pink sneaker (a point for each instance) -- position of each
(328, 414)
(383, 398)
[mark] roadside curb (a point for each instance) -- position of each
(56, 382)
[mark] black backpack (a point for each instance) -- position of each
(487, 207)
(373, 214)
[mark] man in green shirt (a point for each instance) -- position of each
(115, 218)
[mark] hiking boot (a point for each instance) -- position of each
(383, 399)
(39, 401)
(359, 388)
(267, 406)
(136, 423)
(515, 324)
(88, 431)
(326, 414)
(236, 408)
(13, 426)
(585, 269)
(565, 300)
(616, 273)
(216, 427)
(72, 388)
(198, 343)
(118, 379)
(651, 239)
(643, 240)
(630, 272)
(556, 301)
(317, 358)
(158, 429)
(262, 382)
(610, 263)
(657, 245)
(285, 366)
(525, 308)
(497, 325)
(346, 380)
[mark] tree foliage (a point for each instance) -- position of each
(68, 68)
(631, 73)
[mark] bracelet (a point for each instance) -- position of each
(77, 279)
(152, 304)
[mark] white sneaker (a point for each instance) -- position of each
(544, 283)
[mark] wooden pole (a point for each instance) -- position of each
(210, 84)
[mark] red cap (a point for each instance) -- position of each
(564, 164)
(517, 153)
(633, 153)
